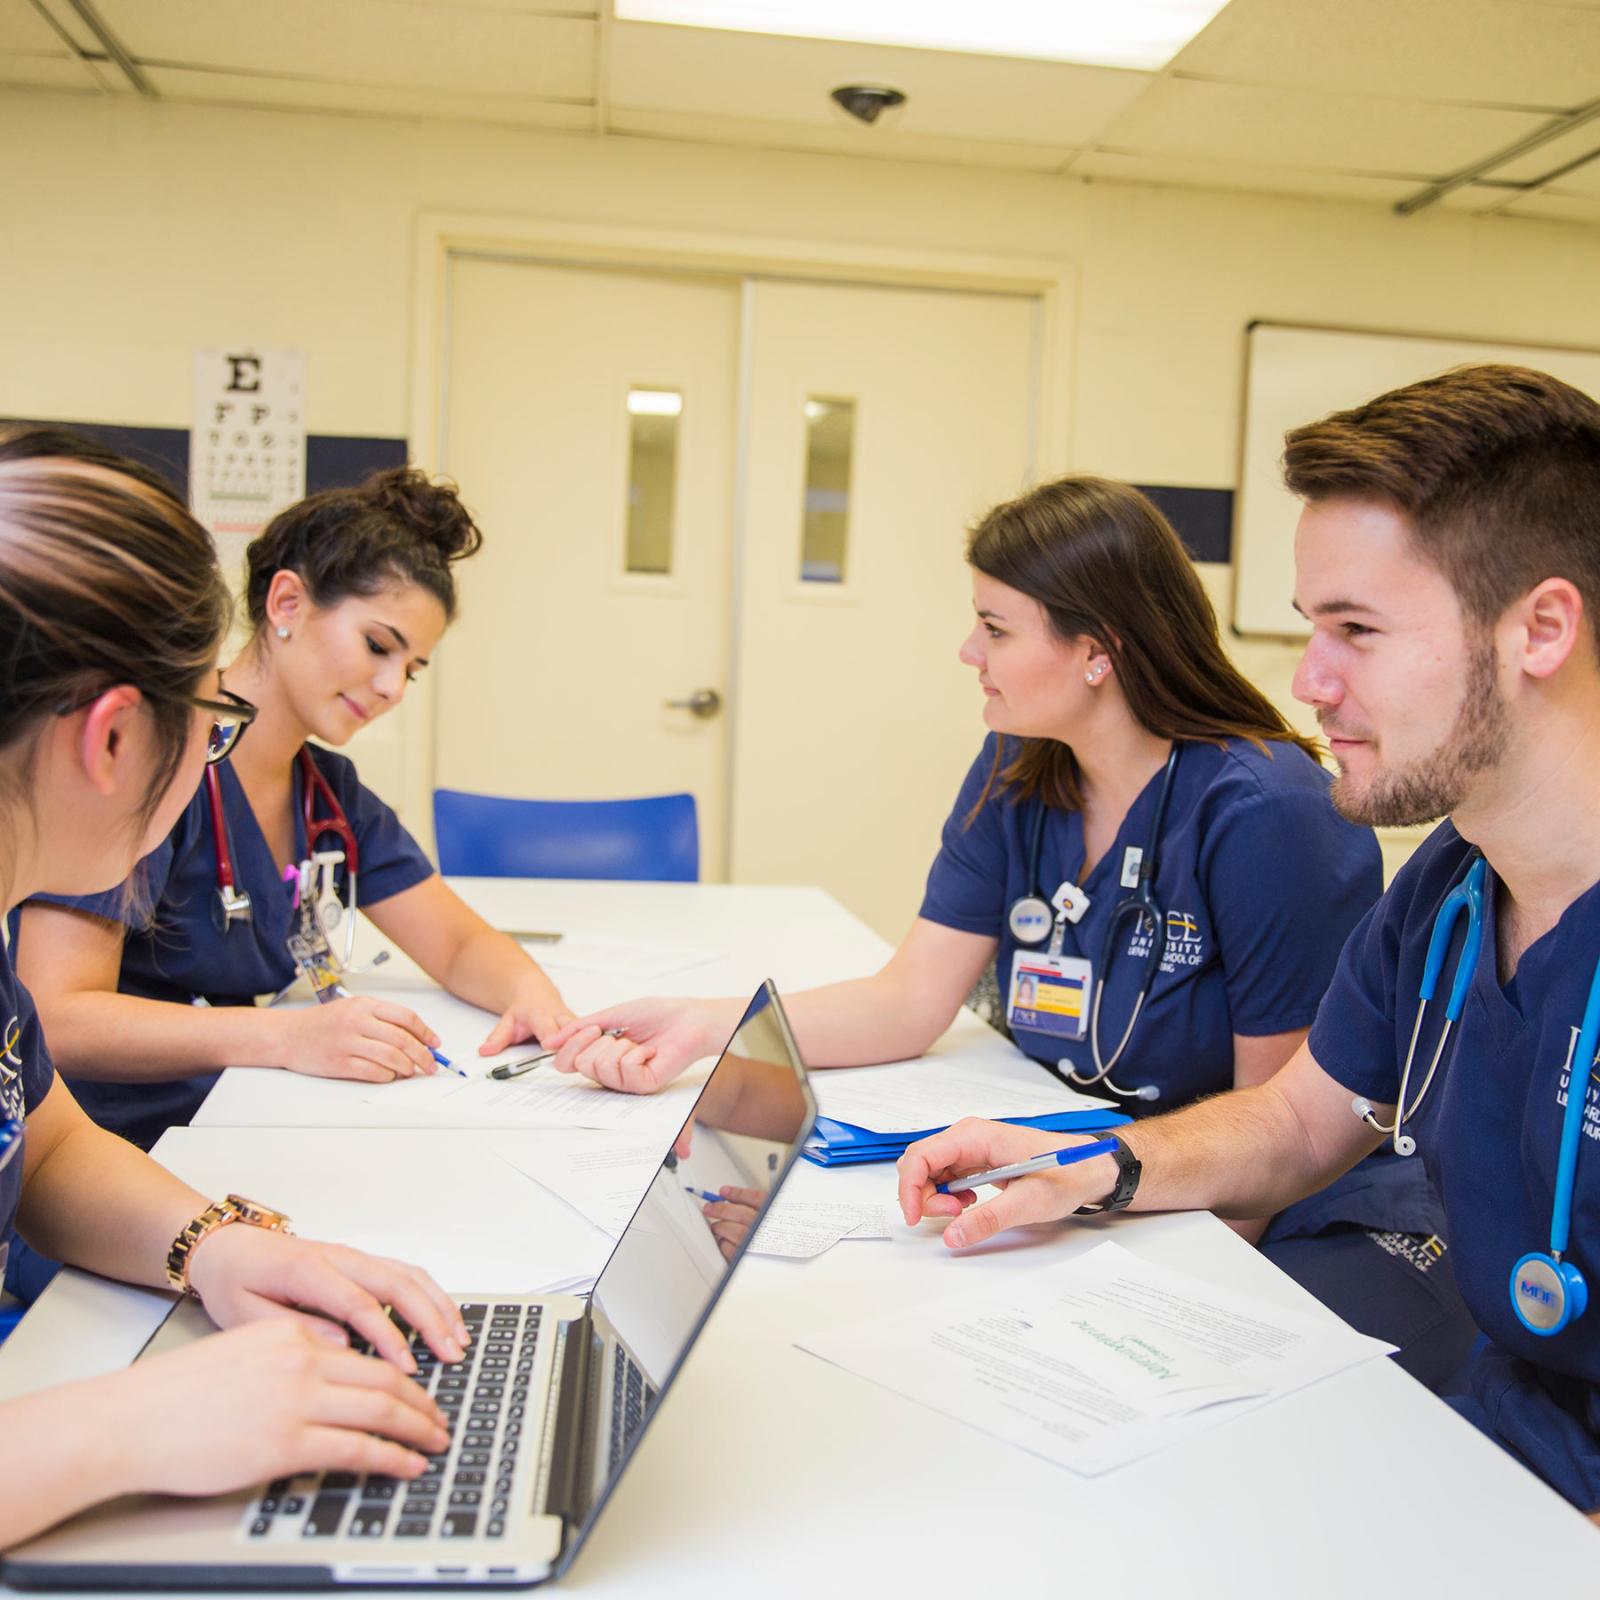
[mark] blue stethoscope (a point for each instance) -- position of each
(1547, 1293)
(1030, 920)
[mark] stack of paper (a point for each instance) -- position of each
(1097, 1362)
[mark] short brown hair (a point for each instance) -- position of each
(1496, 468)
(1104, 563)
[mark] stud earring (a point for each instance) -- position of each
(283, 632)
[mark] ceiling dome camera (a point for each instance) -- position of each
(866, 102)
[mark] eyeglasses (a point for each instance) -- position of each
(230, 716)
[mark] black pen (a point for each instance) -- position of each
(515, 1069)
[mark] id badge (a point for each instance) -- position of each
(1049, 994)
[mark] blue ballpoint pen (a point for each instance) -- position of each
(445, 1062)
(705, 1194)
(1043, 1163)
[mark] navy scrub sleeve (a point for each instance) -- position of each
(1261, 881)
(1489, 1134)
(175, 952)
(25, 1079)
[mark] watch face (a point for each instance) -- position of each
(254, 1212)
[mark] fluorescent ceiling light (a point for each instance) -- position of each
(654, 402)
(1145, 34)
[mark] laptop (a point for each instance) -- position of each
(546, 1410)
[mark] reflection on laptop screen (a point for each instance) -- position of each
(672, 1260)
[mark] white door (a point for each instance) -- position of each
(896, 415)
(589, 418)
(855, 721)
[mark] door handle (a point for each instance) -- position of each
(702, 703)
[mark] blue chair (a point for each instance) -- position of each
(654, 839)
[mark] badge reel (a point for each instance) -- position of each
(1049, 992)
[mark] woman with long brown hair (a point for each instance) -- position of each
(112, 610)
(1147, 850)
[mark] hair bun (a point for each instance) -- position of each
(430, 508)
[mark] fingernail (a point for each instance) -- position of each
(954, 1235)
(461, 1332)
(453, 1349)
(411, 1363)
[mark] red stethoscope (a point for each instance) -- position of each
(232, 904)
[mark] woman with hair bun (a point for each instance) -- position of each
(348, 593)
(111, 614)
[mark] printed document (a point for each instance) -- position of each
(1096, 1362)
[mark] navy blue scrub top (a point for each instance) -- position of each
(177, 953)
(1260, 878)
(1489, 1134)
(25, 1078)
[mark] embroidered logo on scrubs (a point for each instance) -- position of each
(11, 1071)
(1591, 1110)
(1186, 946)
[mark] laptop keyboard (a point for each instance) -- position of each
(466, 1490)
(631, 1397)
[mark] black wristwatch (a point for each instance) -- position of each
(1121, 1197)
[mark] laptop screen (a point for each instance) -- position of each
(673, 1259)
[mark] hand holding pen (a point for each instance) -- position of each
(515, 1069)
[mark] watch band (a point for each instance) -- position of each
(1128, 1170)
(217, 1215)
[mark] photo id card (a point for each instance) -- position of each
(1049, 994)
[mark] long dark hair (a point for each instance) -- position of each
(397, 526)
(1105, 564)
(105, 579)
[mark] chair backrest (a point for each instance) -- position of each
(655, 838)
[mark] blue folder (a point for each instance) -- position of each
(842, 1144)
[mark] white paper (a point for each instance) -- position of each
(542, 1098)
(463, 1261)
(1096, 1362)
(801, 1229)
(892, 1100)
(601, 1176)
(620, 958)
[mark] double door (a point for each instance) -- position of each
(724, 529)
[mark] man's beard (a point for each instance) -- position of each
(1436, 785)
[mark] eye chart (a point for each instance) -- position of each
(247, 448)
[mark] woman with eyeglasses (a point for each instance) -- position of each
(112, 610)
(348, 593)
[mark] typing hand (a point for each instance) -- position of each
(245, 1274)
(357, 1037)
(732, 1217)
(659, 1039)
(971, 1146)
(266, 1401)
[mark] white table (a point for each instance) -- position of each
(770, 1471)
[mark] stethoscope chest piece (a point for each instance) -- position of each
(1547, 1294)
(1030, 920)
(228, 906)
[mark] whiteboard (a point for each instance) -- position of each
(1294, 376)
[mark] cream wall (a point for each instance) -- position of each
(133, 232)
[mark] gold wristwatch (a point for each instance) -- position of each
(218, 1215)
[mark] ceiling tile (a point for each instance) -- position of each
(374, 42)
(243, 89)
(773, 80)
(883, 143)
(24, 32)
(1344, 133)
(1174, 172)
(1548, 158)
(1558, 207)
(1583, 181)
(1500, 52)
(48, 72)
